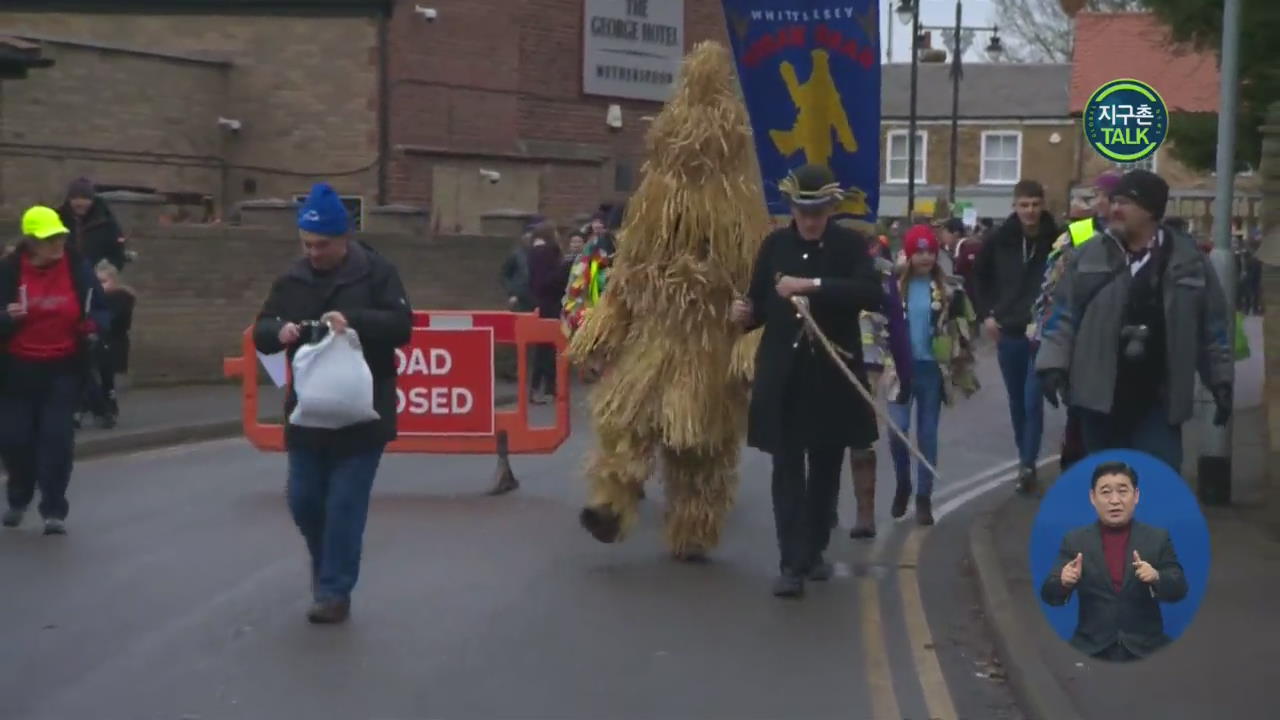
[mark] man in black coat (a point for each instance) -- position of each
(1122, 570)
(94, 230)
(344, 285)
(1009, 271)
(802, 405)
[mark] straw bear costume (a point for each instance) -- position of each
(675, 387)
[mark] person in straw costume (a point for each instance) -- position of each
(676, 366)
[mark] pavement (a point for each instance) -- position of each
(180, 589)
(1222, 666)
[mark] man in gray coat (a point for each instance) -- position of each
(1137, 313)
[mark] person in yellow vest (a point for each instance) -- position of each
(1078, 233)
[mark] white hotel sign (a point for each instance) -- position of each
(632, 48)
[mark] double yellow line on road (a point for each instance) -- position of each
(937, 694)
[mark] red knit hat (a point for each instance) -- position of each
(920, 237)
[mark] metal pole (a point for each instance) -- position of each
(888, 26)
(955, 109)
(911, 121)
(1214, 467)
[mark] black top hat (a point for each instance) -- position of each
(811, 185)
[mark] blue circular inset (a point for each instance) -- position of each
(1165, 501)
(1125, 120)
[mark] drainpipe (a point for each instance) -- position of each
(384, 103)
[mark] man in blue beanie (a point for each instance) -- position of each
(338, 285)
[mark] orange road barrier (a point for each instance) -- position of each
(446, 391)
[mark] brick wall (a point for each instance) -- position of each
(199, 288)
(305, 88)
(1053, 164)
(498, 81)
(97, 113)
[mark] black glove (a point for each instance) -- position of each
(1223, 397)
(1053, 383)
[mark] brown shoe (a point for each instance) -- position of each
(864, 493)
(329, 612)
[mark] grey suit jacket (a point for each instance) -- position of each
(1132, 616)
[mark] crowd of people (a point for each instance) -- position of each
(1078, 315)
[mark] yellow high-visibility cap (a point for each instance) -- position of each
(42, 223)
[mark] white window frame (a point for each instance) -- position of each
(1155, 163)
(357, 217)
(888, 157)
(982, 157)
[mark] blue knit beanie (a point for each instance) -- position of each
(323, 212)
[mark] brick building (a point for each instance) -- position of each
(1188, 82)
(138, 86)
(498, 85)
(1013, 124)
(364, 93)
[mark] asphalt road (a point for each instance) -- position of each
(180, 591)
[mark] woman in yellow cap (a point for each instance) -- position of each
(54, 305)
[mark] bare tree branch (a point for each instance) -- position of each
(1039, 31)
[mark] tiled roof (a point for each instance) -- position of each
(987, 90)
(1137, 45)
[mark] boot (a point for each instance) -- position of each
(900, 498)
(924, 510)
(864, 493)
(329, 612)
(603, 524)
(788, 585)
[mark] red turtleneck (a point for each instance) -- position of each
(1115, 541)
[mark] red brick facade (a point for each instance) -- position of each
(492, 81)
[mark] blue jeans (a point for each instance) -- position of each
(926, 394)
(1026, 404)
(37, 433)
(1151, 434)
(329, 500)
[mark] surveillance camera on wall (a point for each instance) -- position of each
(493, 176)
(428, 14)
(229, 123)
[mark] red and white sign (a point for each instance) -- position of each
(445, 384)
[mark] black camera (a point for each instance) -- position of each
(1135, 339)
(311, 331)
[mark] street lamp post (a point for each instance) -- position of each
(955, 111)
(912, 7)
(994, 49)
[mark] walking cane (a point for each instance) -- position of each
(802, 306)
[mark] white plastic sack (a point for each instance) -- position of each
(333, 383)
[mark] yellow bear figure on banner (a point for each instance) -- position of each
(820, 109)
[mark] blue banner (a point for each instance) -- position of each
(810, 72)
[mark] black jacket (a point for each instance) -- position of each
(97, 235)
(1010, 270)
(516, 279)
(82, 277)
(850, 284)
(367, 290)
(120, 303)
(1130, 617)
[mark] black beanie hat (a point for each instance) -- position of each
(81, 188)
(1147, 189)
